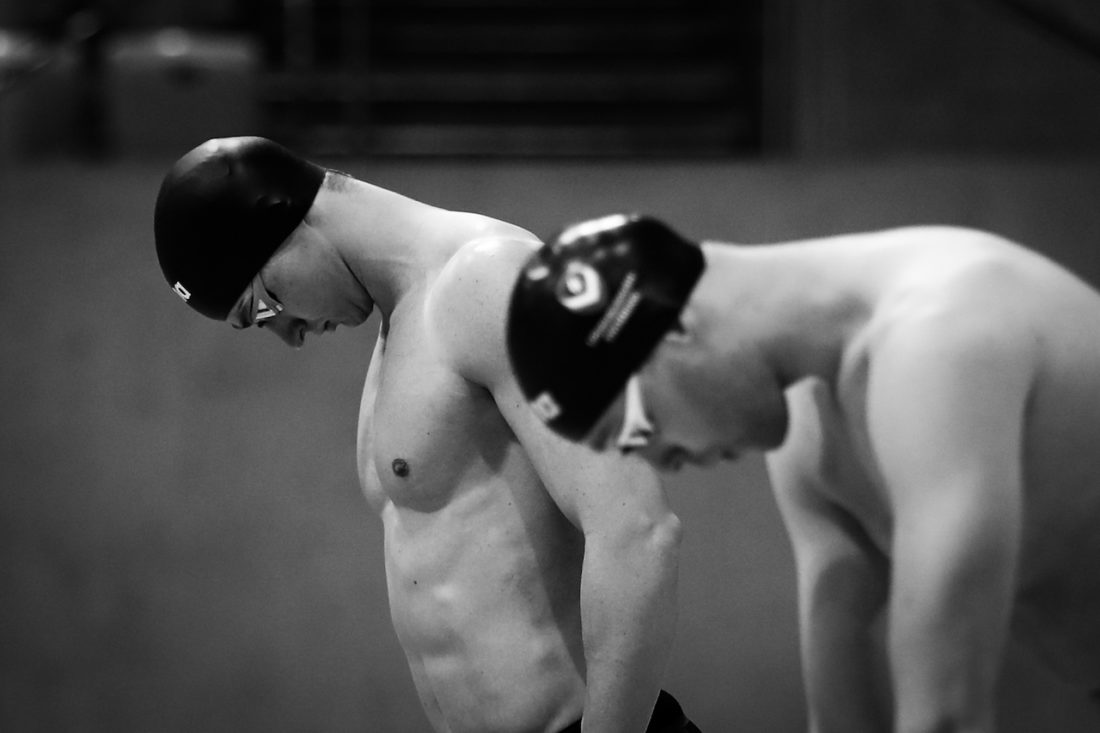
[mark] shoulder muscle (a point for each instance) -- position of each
(946, 399)
(468, 304)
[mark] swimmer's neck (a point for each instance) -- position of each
(390, 243)
(793, 308)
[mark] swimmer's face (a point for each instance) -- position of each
(668, 440)
(626, 426)
(293, 296)
(683, 408)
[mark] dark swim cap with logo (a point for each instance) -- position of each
(223, 210)
(588, 309)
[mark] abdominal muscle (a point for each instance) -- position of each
(483, 570)
(484, 598)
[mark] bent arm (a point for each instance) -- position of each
(841, 595)
(842, 585)
(946, 413)
(953, 581)
(629, 574)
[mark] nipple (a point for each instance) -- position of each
(400, 467)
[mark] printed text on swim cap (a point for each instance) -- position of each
(617, 314)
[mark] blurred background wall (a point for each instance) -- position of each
(183, 545)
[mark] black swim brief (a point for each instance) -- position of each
(668, 717)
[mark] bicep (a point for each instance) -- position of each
(595, 490)
(842, 590)
(946, 418)
(945, 411)
(833, 553)
(841, 574)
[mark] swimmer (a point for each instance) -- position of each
(532, 583)
(928, 399)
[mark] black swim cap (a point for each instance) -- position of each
(223, 210)
(588, 309)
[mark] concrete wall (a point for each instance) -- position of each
(852, 78)
(866, 77)
(183, 546)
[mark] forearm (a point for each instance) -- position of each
(949, 617)
(842, 611)
(944, 668)
(628, 606)
(847, 688)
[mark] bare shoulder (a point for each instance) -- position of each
(958, 353)
(957, 293)
(468, 303)
(946, 250)
(948, 233)
(951, 330)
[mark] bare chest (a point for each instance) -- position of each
(424, 431)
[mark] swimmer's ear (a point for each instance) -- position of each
(682, 332)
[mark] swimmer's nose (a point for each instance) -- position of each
(292, 332)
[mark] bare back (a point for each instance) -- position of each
(1052, 320)
(483, 569)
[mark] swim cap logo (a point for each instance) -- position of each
(546, 407)
(182, 291)
(581, 288)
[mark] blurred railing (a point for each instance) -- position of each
(392, 77)
(515, 77)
